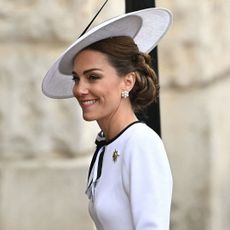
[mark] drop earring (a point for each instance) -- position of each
(124, 94)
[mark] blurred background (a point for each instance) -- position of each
(45, 146)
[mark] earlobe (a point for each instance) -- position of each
(124, 94)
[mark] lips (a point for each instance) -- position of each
(87, 102)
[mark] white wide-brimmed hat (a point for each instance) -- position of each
(146, 27)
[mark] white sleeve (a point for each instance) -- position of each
(148, 182)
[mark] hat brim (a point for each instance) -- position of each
(146, 27)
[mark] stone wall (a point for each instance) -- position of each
(195, 81)
(45, 147)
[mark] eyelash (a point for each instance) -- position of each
(91, 77)
(75, 78)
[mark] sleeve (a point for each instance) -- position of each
(147, 181)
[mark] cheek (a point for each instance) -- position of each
(74, 90)
(107, 91)
(112, 97)
(114, 87)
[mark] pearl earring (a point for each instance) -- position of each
(124, 94)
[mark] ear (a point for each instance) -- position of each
(129, 81)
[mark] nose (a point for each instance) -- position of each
(80, 89)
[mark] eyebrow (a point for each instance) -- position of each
(86, 71)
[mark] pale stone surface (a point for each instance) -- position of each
(220, 157)
(187, 143)
(196, 128)
(196, 48)
(49, 21)
(194, 76)
(44, 196)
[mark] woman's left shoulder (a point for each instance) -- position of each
(140, 133)
(144, 148)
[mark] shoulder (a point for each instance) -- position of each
(141, 135)
(144, 151)
(144, 147)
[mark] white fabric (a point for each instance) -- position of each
(134, 192)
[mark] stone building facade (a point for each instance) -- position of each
(45, 146)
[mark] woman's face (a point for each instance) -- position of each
(97, 85)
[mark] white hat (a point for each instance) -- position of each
(146, 27)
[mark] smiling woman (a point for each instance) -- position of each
(129, 177)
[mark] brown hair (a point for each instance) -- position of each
(124, 55)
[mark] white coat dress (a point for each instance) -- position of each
(130, 182)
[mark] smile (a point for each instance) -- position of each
(88, 102)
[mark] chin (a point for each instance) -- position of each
(88, 118)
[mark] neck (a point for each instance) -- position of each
(115, 123)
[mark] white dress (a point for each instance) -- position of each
(130, 183)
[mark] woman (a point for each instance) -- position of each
(129, 180)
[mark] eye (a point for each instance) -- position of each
(93, 77)
(75, 79)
